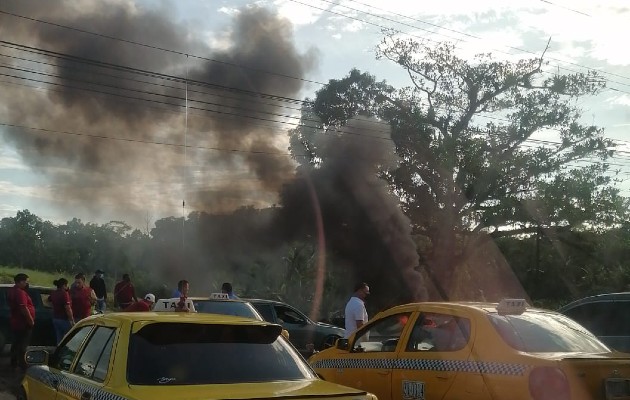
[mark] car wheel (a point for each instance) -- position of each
(329, 341)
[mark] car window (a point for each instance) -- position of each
(603, 318)
(266, 311)
(94, 361)
(64, 355)
(537, 332)
(381, 336)
(237, 308)
(439, 332)
(195, 354)
(289, 316)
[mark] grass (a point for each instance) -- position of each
(37, 278)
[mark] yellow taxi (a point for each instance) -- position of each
(174, 355)
(481, 351)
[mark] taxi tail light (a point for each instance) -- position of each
(549, 383)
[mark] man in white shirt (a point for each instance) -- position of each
(356, 314)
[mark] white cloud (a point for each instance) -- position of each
(298, 14)
(622, 99)
(11, 188)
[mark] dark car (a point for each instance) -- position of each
(303, 332)
(239, 308)
(43, 333)
(606, 315)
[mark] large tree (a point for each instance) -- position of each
(487, 148)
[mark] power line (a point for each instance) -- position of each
(175, 78)
(181, 53)
(566, 8)
(169, 144)
(144, 82)
(521, 50)
(285, 75)
(294, 124)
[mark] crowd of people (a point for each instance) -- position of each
(74, 302)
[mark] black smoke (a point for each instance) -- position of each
(364, 227)
(227, 118)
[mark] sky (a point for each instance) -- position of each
(170, 155)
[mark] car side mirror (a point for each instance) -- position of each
(342, 344)
(36, 357)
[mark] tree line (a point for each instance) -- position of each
(552, 269)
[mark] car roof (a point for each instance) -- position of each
(266, 301)
(487, 307)
(198, 298)
(177, 317)
(604, 297)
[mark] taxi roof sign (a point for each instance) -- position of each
(512, 306)
(170, 305)
(219, 296)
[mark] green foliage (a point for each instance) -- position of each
(461, 130)
(39, 278)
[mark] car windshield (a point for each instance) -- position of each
(237, 308)
(535, 332)
(195, 354)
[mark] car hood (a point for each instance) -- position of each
(304, 389)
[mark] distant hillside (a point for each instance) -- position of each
(39, 278)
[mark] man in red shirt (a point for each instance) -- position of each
(124, 293)
(142, 305)
(82, 297)
(22, 320)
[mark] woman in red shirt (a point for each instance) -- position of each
(62, 310)
(82, 297)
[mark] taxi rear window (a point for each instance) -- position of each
(536, 332)
(227, 308)
(195, 354)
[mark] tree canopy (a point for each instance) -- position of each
(487, 148)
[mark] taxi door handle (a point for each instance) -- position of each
(442, 376)
(383, 372)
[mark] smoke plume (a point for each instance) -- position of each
(364, 226)
(173, 141)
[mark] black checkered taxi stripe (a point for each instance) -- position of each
(482, 367)
(70, 387)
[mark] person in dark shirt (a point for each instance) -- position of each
(97, 283)
(62, 308)
(82, 297)
(142, 305)
(227, 289)
(182, 289)
(22, 320)
(124, 293)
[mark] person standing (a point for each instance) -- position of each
(227, 288)
(82, 298)
(22, 320)
(97, 283)
(356, 314)
(144, 304)
(63, 318)
(124, 293)
(182, 289)
(183, 286)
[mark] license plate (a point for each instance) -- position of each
(617, 388)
